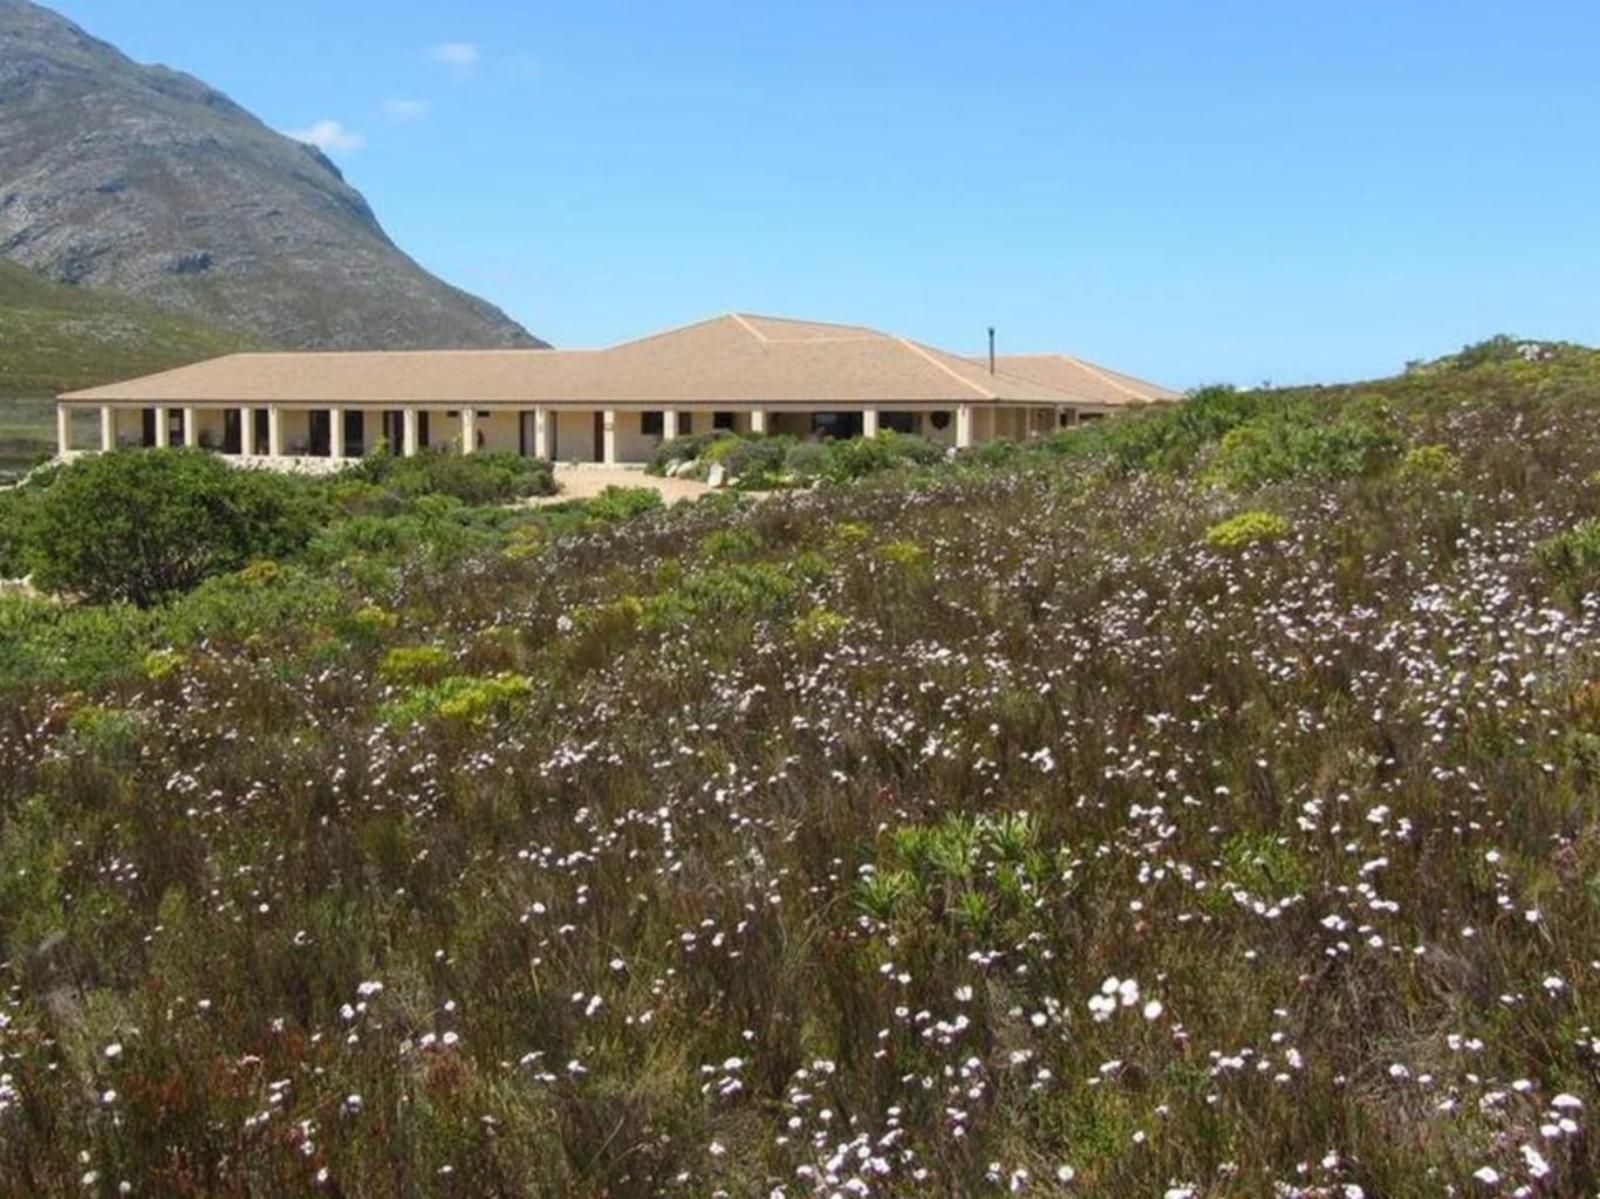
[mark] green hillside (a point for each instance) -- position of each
(55, 338)
(1201, 803)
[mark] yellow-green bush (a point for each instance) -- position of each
(413, 664)
(1245, 529)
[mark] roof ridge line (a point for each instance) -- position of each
(1103, 377)
(748, 327)
(956, 375)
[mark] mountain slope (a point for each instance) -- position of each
(145, 181)
(57, 338)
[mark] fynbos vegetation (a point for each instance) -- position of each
(1162, 809)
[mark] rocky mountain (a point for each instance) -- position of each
(147, 182)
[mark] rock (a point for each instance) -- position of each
(717, 476)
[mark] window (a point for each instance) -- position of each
(900, 422)
(651, 424)
(722, 420)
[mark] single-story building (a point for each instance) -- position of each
(749, 374)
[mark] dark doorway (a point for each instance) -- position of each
(320, 440)
(175, 426)
(837, 425)
(262, 419)
(423, 440)
(231, 441)
(599, 436)
(147, 427)
(355, 433)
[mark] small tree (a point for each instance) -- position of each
(144, 525)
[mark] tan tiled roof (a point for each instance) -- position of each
(1085, 381)
(733, 359)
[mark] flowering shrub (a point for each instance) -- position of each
(733, 851)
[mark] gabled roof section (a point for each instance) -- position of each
(1085, 381)
(738, 358)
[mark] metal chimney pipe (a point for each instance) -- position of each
(991, 349)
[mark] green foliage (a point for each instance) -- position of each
(1429, 464)
(1572, 558)
(756, 462)
(414, 664)
(622, 503)
(471, 478)
(906, 554)
(1292, 441)
(858, 457)
(686, 448)
(1247, 529)
(145, 525)
(459, 699)
(820, 626)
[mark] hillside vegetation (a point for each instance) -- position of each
(55, 338)
(1200, 803)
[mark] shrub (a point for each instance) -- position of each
(464, 699)
(1293, 440)
(471, 478)
(621, 503)
(1572, 558)
(682, 449)
(756, 462)
(144, 525)
(1247, 528)
(413, 664)
(806, 459)
(1429, 464)
(78, 646)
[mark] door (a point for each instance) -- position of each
(263, 423)
(231, 441)
(599, 437)
(321, 432)
(355, 432)
(147, 427)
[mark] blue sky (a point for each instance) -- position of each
(1190, 191)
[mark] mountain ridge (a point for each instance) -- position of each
(146, 181)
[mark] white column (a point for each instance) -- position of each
(669, 424)
(610, 439)
(191, 427)
(274, 431)
(336, 433)
(963, 426)
(408, 440)
(469, 430)
(541, 433)
(869, 423)
(108, 428)
(162, 439)
(758, 420)
(247, 432)
(64, 429)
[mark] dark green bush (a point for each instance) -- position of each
(755, 462)
(143, 525)
(1298, 440)
(859, 457)
(682, 449)
(471, 478)
(620, 503)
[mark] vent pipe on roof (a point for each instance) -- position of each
(991, 349)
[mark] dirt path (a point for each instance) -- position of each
(585, 482)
